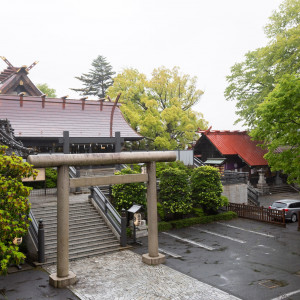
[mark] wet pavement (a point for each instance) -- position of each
(245, 258)
(31, 283)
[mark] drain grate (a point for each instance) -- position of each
(270, 283)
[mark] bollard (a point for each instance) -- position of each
(123, 238)
(41, 242)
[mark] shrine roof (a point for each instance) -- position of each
(41, 117)
(237, 143)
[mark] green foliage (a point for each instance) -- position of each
(161, 166)
(98, 79)
(252, 80)
(51, 180)
(160, 211)
(44, 88)
(159, 108)
(124, 195)
(278, 125)
(207, 188)
(14, 207)
(175, 191)
(177, 224)
(198, 211)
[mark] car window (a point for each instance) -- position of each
(296, 205)
(279, 205)
(292, 205)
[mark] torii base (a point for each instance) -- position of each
(62, 282)
(160, 259)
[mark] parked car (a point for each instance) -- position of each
(291, 208)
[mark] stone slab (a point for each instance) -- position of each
(123, 275)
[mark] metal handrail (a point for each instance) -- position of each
(253, 194)
(198, 162)
(33, 229)
(107, 208)
(72, 172)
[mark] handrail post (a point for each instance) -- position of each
(41, 242)
(123, 238)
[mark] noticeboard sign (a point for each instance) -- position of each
(41, 176)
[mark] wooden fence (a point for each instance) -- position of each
(258, 213)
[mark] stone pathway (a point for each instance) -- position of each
(123, 276)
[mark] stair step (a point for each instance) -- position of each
(53, 260)
(82, 244)
(79, 223)
(72, 219)
(81, 231)
(89, 251)
(76, 238)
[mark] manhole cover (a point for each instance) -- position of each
(271, 283)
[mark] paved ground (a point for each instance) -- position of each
(248, 259)
(258, 261)
(31, 284)
(124, 276)
(267, 200)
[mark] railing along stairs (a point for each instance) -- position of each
(198, 162)
(118, 222)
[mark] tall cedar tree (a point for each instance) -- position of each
(98, 79)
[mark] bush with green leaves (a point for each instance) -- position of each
(161, 166)
(174, 192)
(14, 207)
(124, 195)
(51, 180)
(206, 189)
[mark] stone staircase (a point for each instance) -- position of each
(88, 236)
(283, 188)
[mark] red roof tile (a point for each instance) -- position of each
(238, 143)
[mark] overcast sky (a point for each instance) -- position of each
(203, 38)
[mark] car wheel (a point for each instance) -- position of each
(294, 218)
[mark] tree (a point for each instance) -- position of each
(124, 195)
(278, 126)
(207, 188)
(160, 108)
(252, 80)
(175, 191)
(98, 79)
(14, 207)
(44, 88)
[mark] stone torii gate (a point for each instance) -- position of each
(64, 277)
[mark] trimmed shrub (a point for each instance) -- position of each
(207, 188)
(124, 195)
(174, 192)
(177, 224)
(161, 166)
(14, 207)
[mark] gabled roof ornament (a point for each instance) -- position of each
(7, 61)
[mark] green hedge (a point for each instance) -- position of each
(164, 226)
